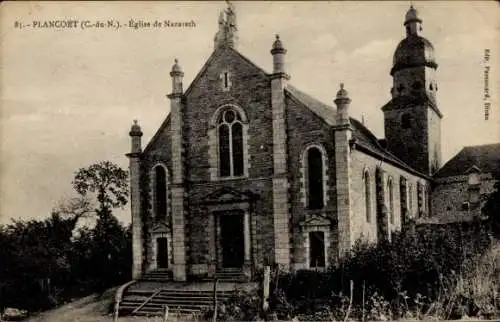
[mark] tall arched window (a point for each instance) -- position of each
(367, 195)
(230, 135)
(390, 207)
(315, 191)
(160, 193)
(410, 198)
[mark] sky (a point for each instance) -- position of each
(69, 95)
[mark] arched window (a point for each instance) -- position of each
(390, 202)
(410, 198)
(160, 193)
(367, 195)
(230, 135)
(315, 190)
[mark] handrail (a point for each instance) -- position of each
(146, 301)
(118, 298)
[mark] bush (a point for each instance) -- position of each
(407, 277)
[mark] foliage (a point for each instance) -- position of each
(243, 306)
(107, 181)
(411, 276)
(47, 262)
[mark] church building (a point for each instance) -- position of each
(248, 170)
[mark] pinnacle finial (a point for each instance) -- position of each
(176, 69)
(342, 93)
(277, 37)
(135, 129)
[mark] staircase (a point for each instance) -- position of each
(152, 302)
(231, 275)
(157, 276)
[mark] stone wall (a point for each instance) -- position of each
(409, 144)
(450, 194)
(363, 162)
(304, 129)
(250, 91)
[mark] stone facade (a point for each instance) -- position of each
(260, 173)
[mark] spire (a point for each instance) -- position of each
(227, 35)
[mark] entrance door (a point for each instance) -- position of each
(316, 249)
(232, 241)
(162, 253)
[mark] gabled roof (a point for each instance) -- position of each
(325, 112)
(369, 143)
(484, 157)
(216, 53)
(363, 137)
(157, 134)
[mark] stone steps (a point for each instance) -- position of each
(233, 275)
(157, 276)
(177, 300)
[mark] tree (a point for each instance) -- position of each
(107, 181)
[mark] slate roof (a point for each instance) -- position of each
(364, 139)
(485, 157)
(324, 111)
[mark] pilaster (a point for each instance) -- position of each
(135, 204)
(177, 188)
(135, 200)
(280, 179)
(343, 135)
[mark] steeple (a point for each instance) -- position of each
(227, 35)
(412, 117)
(414, 63)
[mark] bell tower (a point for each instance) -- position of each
(412, 120)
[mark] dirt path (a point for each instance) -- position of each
(93, 308)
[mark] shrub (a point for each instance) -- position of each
(408, 277)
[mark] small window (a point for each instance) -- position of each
(315, 179)
(431, 87)
(317, 249)
(406, 121)
(401, 88)
(225, 79)
(417, 85)
(465, 206)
